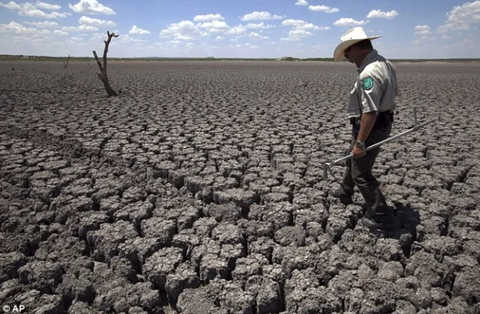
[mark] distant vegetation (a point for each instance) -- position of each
(6, 57)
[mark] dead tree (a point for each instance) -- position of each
(103, 67)
(65, 63)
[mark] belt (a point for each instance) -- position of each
(383, 118)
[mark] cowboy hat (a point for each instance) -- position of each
(351, 37)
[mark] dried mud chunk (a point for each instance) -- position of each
(256, 229)
(225, 212)
(90, 222)
(159, 228)
(263, 246)
(188, 216)
(227, 233)
(236, 300)
(290, 235)
(160, 264)
(76, 285)
(201, 300)
(467, 285)
(134, 212)
(390, 271)
(139, 249)
(134, 194)
(280, 214)
(41, 275)
(203, 226)
(439, 246)
(105, 241)
(9, 265)
(457, 306)
(379, 296)
(43, 175)
(249, 266)
(122, 297)
(213, 267)
(79, 307)
(185, 277)
(241, 198)
(186, 242)
(292, 258)
(316, 212)
(266, 292)
(60, 248)
(304, 294)
(424, 266)
(36, 302)
(232, 252)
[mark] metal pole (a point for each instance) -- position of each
(386, 140)
(417, 126)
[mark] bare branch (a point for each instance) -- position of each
(65, 63)
(103, 67)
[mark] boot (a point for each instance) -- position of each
(379, 220)
(345, 199)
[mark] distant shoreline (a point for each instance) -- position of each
(289, 59)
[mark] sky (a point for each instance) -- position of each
(426, 29)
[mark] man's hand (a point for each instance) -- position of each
(358, 152)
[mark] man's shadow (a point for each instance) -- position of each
(407, 218)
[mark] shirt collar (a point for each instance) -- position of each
(368, 59)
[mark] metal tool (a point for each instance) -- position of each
(327, 167)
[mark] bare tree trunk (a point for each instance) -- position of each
(65, 63)
(103, 67)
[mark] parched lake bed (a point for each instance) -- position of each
(199, 189)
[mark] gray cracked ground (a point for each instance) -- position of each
(199, 190)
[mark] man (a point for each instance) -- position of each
(371, 107)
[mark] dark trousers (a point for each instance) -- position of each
(359, 170)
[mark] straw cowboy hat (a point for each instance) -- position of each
(348, 39)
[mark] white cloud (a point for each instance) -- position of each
(80, 28)
(188, 30)
(219, 38)
(91, 7)
(296, 35)
(208, 17)
(16, 28)
(11, 5)
(263, 15)
(462, 17)
(31, 10)
(422, 30)
(237, 30)
(323, 8)
(48, 6)
(44, 24)
(59, 33)
(85, 20)
(85, 27)
(214, 26)
(301, 2)
(184, 30)
(138, 31)
(383, 15)
(260, 25)
(255, 35)
(301, 29)
(300, 24)
(347, 21)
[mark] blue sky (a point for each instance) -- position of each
(238, 28)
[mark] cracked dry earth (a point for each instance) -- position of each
(199, 190)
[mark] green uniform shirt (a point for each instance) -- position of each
(376, 86)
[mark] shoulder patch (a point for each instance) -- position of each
(367, 83)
